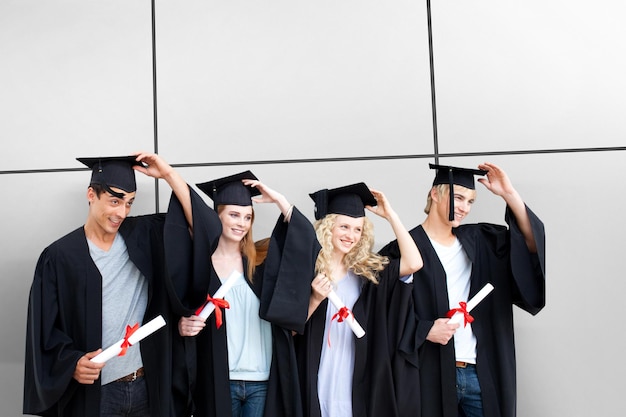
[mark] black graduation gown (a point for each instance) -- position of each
(385, 380)
(284, 296)
(499, 256)
(65, 321)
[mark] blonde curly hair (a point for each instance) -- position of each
(360, 260)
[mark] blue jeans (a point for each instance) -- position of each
(125, 399)
(468, 392)
(248, 398)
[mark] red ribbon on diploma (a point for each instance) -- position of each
(341, 315)
(467, 318)
(129, 332)
(219, 304)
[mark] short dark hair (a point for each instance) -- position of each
(98, 189)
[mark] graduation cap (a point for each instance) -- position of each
(230, 190)
(454, 175)
(349, 200)
(113, 171)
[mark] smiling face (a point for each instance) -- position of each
(463, 200)
(346, 233)
(107, 212)
(236, 221)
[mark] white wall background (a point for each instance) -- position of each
(315, 94)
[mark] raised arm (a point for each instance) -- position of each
(499, 183)
(410, 257)
(156, 167)
(269, 195)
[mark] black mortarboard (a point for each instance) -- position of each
(349, 200)
(113, 171)
(230, 190)
(454, 175)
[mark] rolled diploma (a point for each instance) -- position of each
(354, 325)
(220, 293)
(473, 302)
(145, 330)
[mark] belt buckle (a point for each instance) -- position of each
(134, 376)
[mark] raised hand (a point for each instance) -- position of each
(497, 180)
(269, 195)
(383, 207)
(154, 165)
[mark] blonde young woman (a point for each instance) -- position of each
(340, 374)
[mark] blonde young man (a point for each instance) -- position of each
(468, 370)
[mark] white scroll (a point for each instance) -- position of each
(141, 333)
(354, 325)
(473, 302)
(220, 293)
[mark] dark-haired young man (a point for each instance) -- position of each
(92, 283)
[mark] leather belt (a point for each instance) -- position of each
(131, 377)
(460, 364)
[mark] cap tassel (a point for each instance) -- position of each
(451, 183)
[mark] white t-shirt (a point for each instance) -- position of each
(458, 268)
(335, 373)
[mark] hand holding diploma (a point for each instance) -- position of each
(218, 300)
(87, 371)
(133, 335)
(462, 312)
(323, 288)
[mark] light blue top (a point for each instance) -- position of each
(249, 336)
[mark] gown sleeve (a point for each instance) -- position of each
(402, 329)
(50, 355)
(528, 268)
(288, 272)
(189, 257)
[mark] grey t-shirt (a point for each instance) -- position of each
(124, 300)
